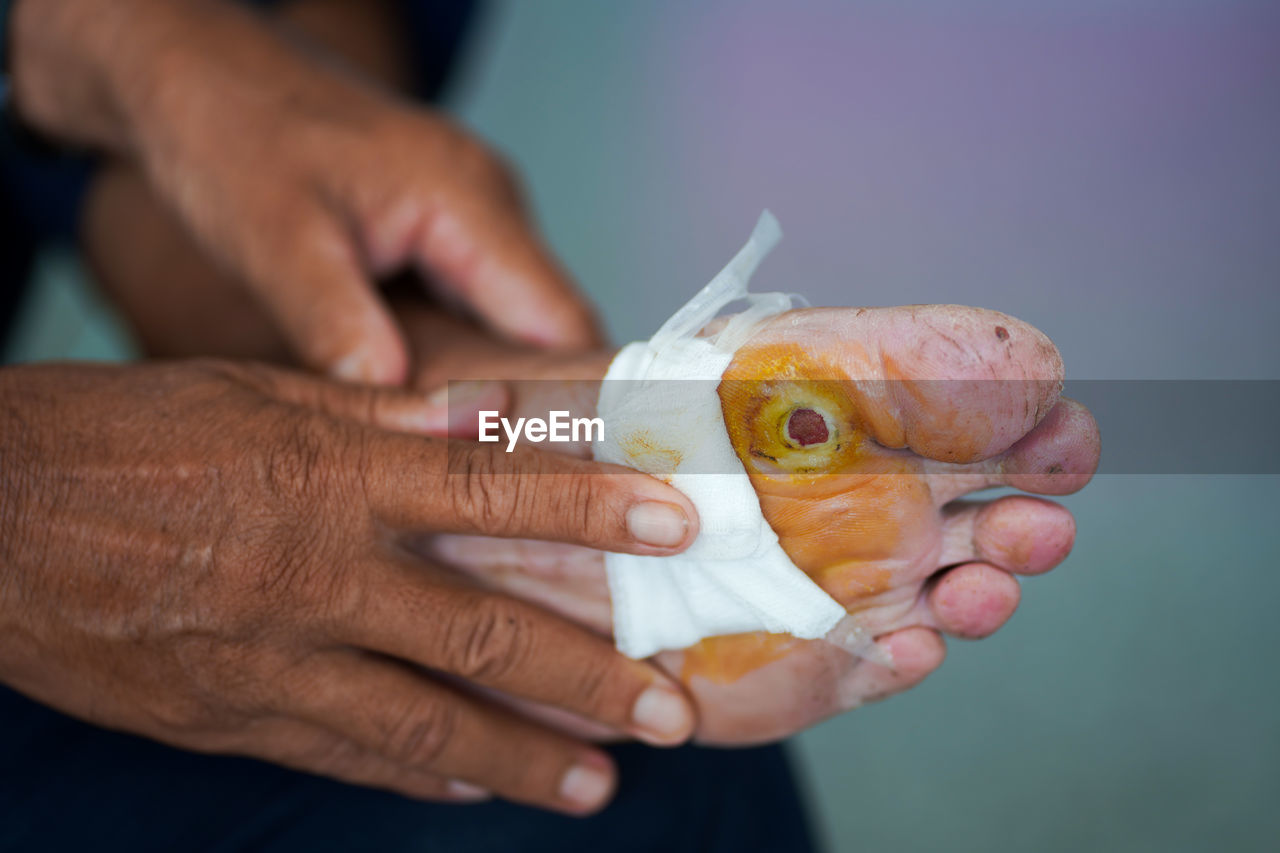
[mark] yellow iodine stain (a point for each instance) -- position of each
(646, 454)
(758, 395)
(841, 507)
(853, 581)
(724, 660)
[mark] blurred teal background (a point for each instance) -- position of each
(1109, 171)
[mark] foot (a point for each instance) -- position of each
(861, 430)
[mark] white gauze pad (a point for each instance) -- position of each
(735, 577)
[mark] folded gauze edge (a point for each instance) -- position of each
(662, 415)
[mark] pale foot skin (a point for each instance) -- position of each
(873, 514)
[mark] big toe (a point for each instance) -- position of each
(951, 383)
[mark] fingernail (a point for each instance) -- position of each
(461, 392)
(466, 791)
(585, 786)
(353, 367)
(661, 714)
(657, 524)
(361, 367)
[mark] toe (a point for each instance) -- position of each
(949, 382)
(916, 652)
(972, 600)
(968, 382)
(1058, 457)
(1018, 534)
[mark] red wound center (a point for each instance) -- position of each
(806, 427)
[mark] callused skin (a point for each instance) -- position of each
(923, 405)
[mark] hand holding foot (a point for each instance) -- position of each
(931, 403)
(208, 554)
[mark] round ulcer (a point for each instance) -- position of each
(806, 428)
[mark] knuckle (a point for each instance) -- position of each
(181, 716)
(478, 165)
(212, 691)
(298, 533)
(330, 757)
(478, 493)
(488, 640)
(523, 494)
(319, 238)
(421, 732)
(594, 692)
(577, 507)
(222, 372)
(478, 161)
(299, 462)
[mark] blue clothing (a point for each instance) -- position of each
(67, 785)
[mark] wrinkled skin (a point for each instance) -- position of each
(875, 523)
(892, 578)
(750, 688)
(895, 506)
(208, 554)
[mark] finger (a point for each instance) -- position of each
(312, 284)
(467, 487)
(510, 645)
(409, 720)
(461, 404)
(972, 600)
(556, 719)
(1058, 457)
(314, 749)
(483, 247)
(564, 579)
(1018, 534)
(450, 411)
(916, 652)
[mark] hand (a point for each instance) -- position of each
(299, 181)
(210, 555)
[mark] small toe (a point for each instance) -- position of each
(972, 601)
(915, 651)
(1018, 533)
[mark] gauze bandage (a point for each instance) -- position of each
(662, 415)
